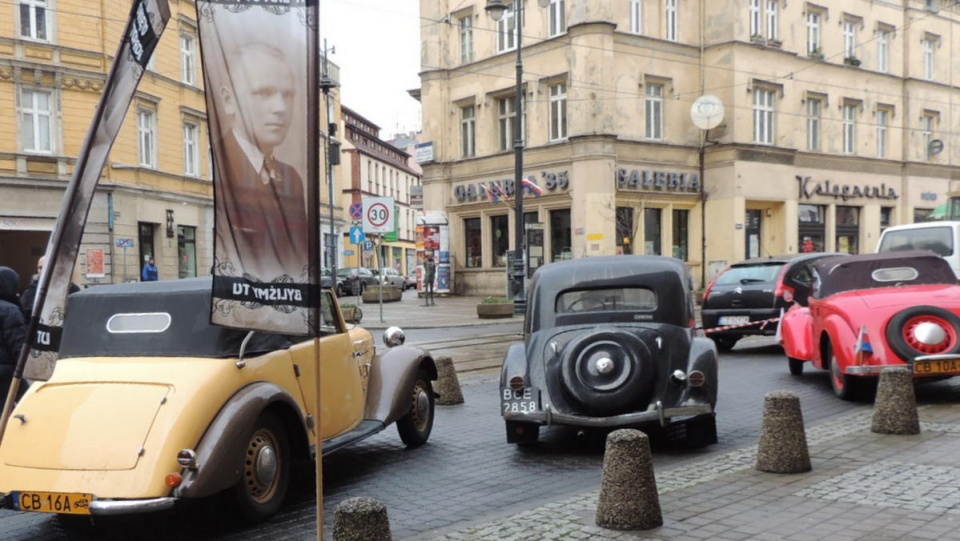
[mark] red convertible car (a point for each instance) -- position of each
(868, 312)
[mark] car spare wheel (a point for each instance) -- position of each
(608, 372)
(924, 330)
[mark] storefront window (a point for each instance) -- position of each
(652, 220)
(886, 214)
(680, 234)
(812, 228)
(187, 251)
(561, 239)
(500, 237)
(921, 215)
(624, 230)
(848, 229)
(472, 242)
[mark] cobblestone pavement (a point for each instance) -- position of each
(863, 486)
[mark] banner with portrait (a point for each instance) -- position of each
(148, 19)
(258, 63)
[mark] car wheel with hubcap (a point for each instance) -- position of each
(924, 330)
(608, 372)
(266, 469)
(844, 386)
(415, 427)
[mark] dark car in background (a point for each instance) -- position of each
(326, 282)
(746, 298)
(357, 279)
(610, 342)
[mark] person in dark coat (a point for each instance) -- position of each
(29, 293)
(429, 274)
(13, 327)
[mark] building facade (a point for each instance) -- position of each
(839, 119)
(372, 167)
(155, 194)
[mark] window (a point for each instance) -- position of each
(500, 239)
(188, 59)
(636, 16)
(883, 121)
(560, 235)
(883, 50)
(624, 230)
(814, 31)
(926, 128)
(848, 229)
(652, 218)
(558, 21)
(145, 234)
(187, 251)
(929, 44)
(680, 233)
(671, 16)
(764, 19)
(191, 149)
(473, 243)
(885, 217)
(763, 108)
(849, 128)
(507, 30)
(466, 39)
(654, 111)
(849, 38)
(36, 120)
(558, 112)
(468, 131)
(506, 113)
(147, 131)
(34, 19)
(814, 112)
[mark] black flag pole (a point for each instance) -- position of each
(147, 20)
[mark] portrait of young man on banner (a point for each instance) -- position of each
(257, 102)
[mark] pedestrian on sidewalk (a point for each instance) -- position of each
(429, 274)
(150, 273)
(13, 325)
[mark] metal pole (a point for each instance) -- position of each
(326, 84)
(519, 297)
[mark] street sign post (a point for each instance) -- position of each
(356, 235)
(356, 210)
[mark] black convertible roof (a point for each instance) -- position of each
(189, 333)
(839, 274)
(667, 276)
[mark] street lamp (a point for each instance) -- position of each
(496, 10)
(332, 151)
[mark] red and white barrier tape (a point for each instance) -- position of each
(762, 323)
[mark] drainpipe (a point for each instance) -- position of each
(703, 185)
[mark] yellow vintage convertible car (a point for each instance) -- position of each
(150, 404)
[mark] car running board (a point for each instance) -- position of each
(362, 431)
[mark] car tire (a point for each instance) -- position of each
(844, 386)
(627, 388)
(725, 343)
(415, 427)
(266, 470)
(899, 334)
(796, 366)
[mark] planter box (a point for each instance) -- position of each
(390, 294)
(495, 311)
(351, 314)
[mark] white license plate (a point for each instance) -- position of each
(734, 320)
(525, 400)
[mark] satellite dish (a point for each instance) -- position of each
(707, 112)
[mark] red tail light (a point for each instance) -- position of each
(783, 290)
(706, 292)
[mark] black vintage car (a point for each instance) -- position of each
(610, 342)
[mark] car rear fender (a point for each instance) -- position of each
(392, 377)
(842, 338)
(514, 365)
(796, 334)
(219, 456)
(703, 357)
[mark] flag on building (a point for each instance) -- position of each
(145, 24)
(532, 186)
(498, 191)
(490, 195)
(262, 104)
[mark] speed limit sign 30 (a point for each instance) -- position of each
(378, 215)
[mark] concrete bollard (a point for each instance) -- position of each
(628, 489)
(361, 519)
(783, 441)
(448, 385)
(895, 408)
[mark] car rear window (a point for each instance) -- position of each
(748, 274)
(619, 299)
(936, 239)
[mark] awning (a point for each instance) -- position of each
(940, 212)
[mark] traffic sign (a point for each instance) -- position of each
(356, 210)
(124, 243)
(378, 215)
(368, 246)
(348, 252)
(356, 235)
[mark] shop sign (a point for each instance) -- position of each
(649, 179)
(928, 196)
(495, 190)
(808, 189)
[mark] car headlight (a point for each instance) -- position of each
(394, 336)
